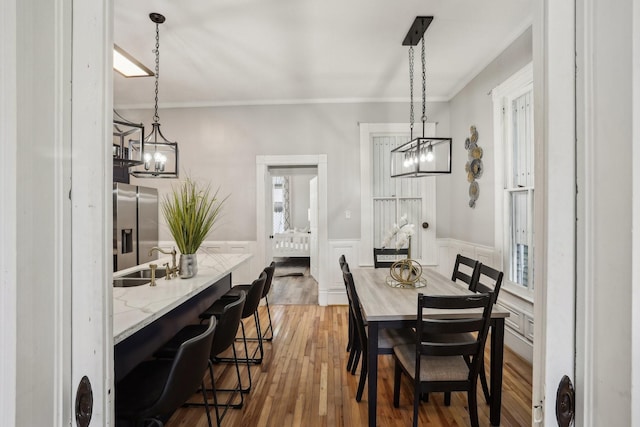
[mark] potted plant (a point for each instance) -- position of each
(190, 211)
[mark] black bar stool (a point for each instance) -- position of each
(254, 294)
(156, 388)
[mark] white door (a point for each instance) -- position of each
(384, 200)
(313, 226)
(555, 205)
(269, 214)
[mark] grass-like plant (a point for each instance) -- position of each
(191, 210)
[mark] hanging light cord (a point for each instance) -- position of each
(156, 117)
(424, 90)
(411, 117)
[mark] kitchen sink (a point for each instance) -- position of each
(125, 282)
(144, 274)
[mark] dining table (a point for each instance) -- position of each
(386, 306)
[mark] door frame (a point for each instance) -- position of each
(635, 251)
(8, 214)
(429, 196)
(77, 252)
(263, 163)
(555, 165)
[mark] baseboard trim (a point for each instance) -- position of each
(518, 344)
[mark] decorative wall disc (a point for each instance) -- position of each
(474, 166)
(474, 190)
(474, 134)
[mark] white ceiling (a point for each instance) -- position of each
(231, 52)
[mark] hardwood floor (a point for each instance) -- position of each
(303, 382)
(292, 283)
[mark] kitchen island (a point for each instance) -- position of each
(145, 317)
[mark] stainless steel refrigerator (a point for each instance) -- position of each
(135, 224)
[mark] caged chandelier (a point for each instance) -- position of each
(421, 156)
(159, 155)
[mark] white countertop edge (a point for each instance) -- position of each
(130, 307)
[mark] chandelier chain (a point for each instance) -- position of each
(411, 115)
(424, 88)
(156, 117)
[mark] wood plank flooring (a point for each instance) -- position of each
(292, 283)
(303, 382)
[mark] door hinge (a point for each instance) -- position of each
(538, 413)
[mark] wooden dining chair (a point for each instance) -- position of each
(441, 366)
(489, 281)
(385, 257)
(342, 261)
(387, 337)
(468, 276)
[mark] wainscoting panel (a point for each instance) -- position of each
(528, 327)
(336, 294)
(516, 319)
(519, 325)
(248, 271)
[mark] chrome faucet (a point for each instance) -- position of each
(173, 271)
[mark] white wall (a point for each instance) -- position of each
(299, 188)
(220, 144)
(473, 106)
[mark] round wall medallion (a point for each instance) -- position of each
(474, 190)
(474, 166)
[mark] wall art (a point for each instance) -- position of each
(474, 166)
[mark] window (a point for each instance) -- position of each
(281, 208)
(513, 121)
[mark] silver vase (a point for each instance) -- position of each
(188, 265)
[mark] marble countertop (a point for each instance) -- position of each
(137, 306)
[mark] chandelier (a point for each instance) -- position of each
(421, 156)
(159, 155)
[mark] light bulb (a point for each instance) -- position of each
(147, 161)
(422, 156)
(430, 155)
(157, 156)
(406, 162)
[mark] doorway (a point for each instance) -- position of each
(291, 203)
(266, 168)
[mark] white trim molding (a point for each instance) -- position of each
(320, 161)
(635, 249)
(8, 177)
(349, 248)
(501, 93)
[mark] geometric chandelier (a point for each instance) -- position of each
(421, 156)
(159, 155)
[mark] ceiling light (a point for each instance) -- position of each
(421, 156)
(160, 155)
(127, 66)
(127, 137)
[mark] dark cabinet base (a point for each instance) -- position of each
(141, 345)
